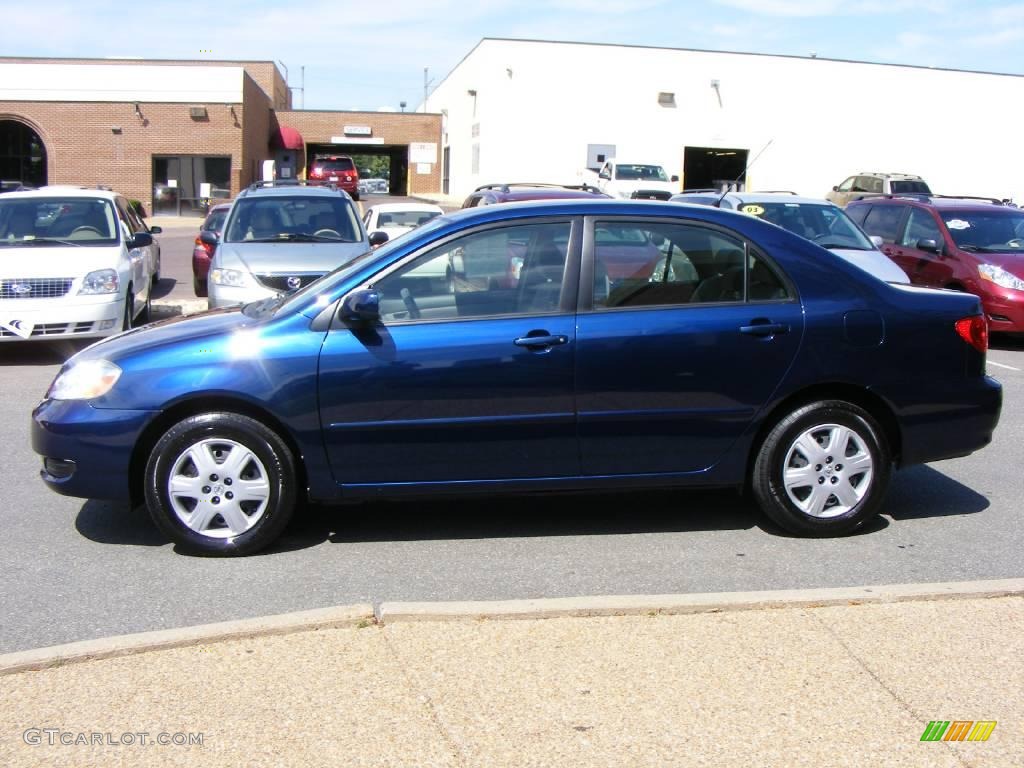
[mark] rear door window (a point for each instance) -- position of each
(884, 221)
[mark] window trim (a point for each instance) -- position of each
(567, 296)
(585, 297)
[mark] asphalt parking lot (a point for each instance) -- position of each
(75, 570)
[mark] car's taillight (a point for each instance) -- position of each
(316, 171)
(205, 246)
(974, 330)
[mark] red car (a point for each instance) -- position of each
(964, 244)
(338, 169)
(202, 253)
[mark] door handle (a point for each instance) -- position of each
(764, 329)
(541, 341)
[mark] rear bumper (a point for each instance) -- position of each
(958, 423)
(89, 449)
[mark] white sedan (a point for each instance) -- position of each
(396, 219)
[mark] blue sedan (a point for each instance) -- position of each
(530, 347)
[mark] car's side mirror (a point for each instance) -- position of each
(361, 307)
(378, 237)
(675, 178)
(209, 238)
(604, 175)
(835, 188)
(140, 240)
(878, 241)
(156, 230)
(928, 244)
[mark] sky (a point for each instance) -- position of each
(363, 55)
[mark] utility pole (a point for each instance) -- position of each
(426, 85)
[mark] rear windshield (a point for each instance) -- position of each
(338, 164)
(909, 187)
(271, 219)
(825, 225)
(57, 220)
(215, 221)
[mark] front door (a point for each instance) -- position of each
(469, 374)
(680, 349)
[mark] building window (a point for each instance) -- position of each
(186, 185)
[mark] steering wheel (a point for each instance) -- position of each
(93, 230)
(327, 233)
(410, 304)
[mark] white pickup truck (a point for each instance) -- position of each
(637, 181)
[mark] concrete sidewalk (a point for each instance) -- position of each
(718, 681)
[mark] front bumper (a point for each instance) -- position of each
(87, 451)
(229, 296)
(1004, 309)
(82, 317)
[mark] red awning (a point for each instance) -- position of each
(286, 137)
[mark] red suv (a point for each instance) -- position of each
(338, 169)
(966, 244)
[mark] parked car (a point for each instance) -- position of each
(492, 194)
(76, 263)
(965, 244)
(872, 184)
(337, 169)
(820, 222)
(280, 237)
(202, 252)
(375, 383)
(12, 185)
(635, 181)
(396, 219)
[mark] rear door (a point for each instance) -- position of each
(922, 265)
(676, 357)
(887, 222)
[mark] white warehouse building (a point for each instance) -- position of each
(535, 111)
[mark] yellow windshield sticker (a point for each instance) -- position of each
(753, 210)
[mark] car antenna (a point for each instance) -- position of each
(734, 182)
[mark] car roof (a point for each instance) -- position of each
(293, 190)
(776, 197)
(63, 190)
(898, 176)
(424, 207)
(939, 203)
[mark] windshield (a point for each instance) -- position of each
(640, 173)
(405, 218)
(57, 221)
(340, 164)
(280, 218)
(1001, 229)
(826, 225)
(325, 286)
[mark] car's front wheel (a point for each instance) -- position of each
(221, 483)
(823, 470)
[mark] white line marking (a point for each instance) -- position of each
(1000, 365)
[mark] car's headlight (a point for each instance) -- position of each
(84, 380)
(233, 278)
(100, 281)
(1001, 277)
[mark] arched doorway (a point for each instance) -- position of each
(22, 154)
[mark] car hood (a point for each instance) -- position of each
(286, 258)
(628, 187)
(1012, 262)
(168, 332)
(35, 261)
(875, 262)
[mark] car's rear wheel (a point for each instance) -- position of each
(220, 484)
(129, 311)
(823, 470)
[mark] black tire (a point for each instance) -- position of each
(128, 322)
(355, 196)
(839, 469)
(196, 523)
(147, 311)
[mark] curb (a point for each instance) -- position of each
(164, 308)
(712, 602)
(161, 640)
(546, 608)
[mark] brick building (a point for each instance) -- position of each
(177, 134)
